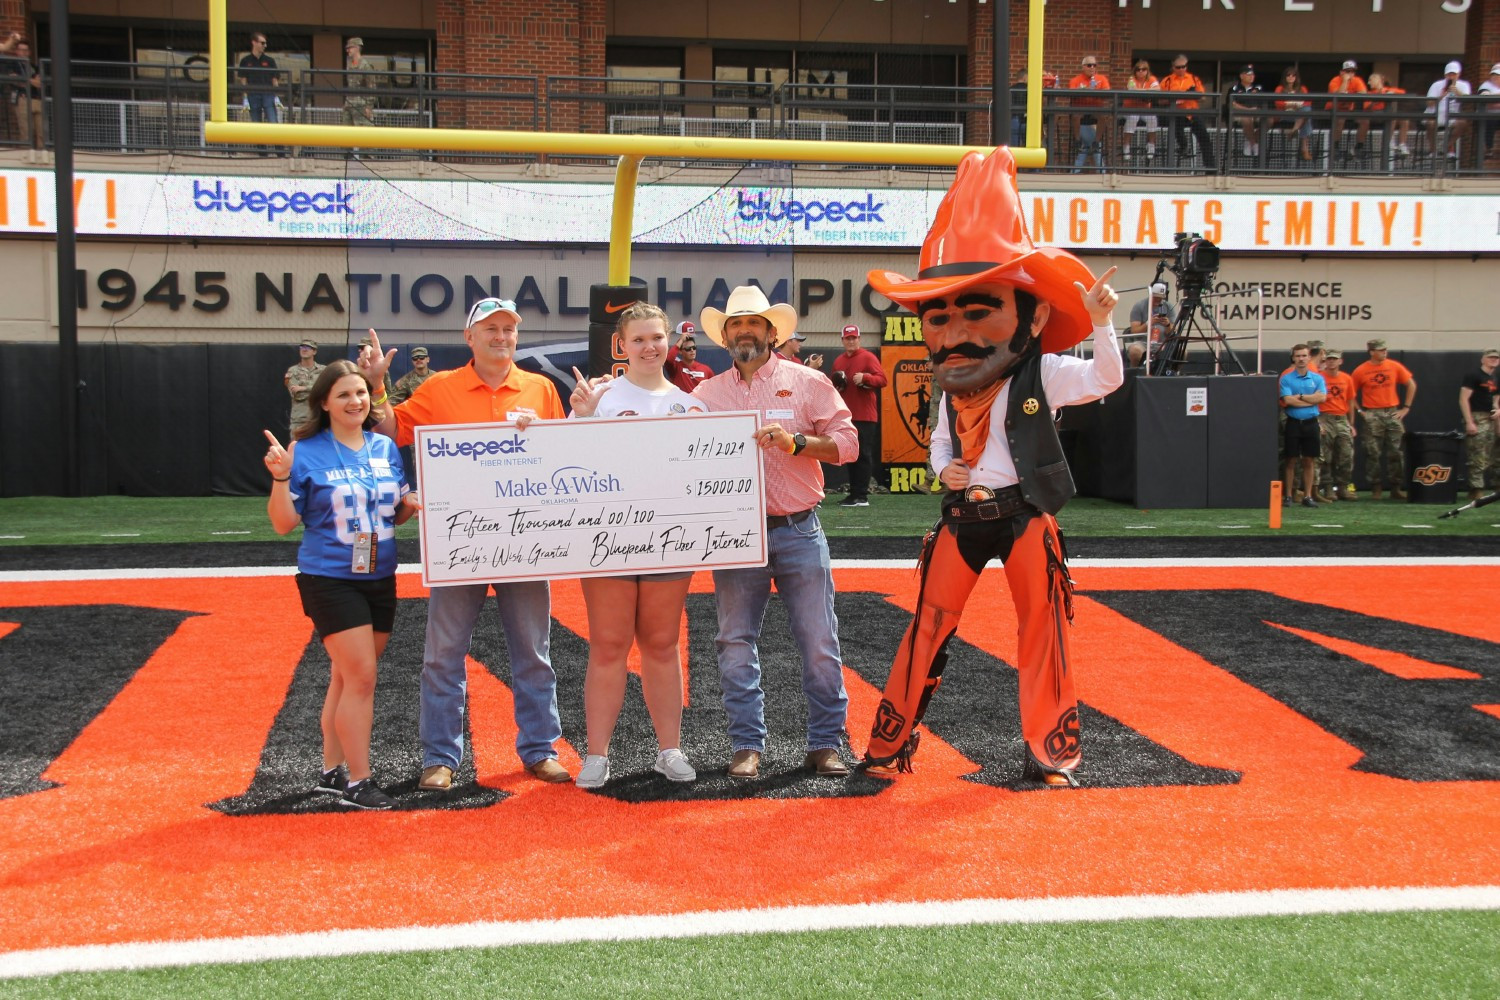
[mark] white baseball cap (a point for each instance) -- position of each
(1454, 67)
(1350, 64)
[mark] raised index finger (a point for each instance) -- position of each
(271, 438)
(1103, 278)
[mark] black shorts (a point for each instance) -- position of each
(336, 605)
(1301, 437)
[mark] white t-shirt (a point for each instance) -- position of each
(1447, 106)
(626, 399)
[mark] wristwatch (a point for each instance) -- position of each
(799, 441)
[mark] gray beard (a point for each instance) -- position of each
(744, 352)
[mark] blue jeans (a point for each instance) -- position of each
(262, 107)
(1089, 146)
(526, 616)
(800, 567)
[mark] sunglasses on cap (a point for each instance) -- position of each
(484, 307)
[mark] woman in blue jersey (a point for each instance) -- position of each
(645, 610)
(344, 485)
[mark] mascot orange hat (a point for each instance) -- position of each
(980, 236)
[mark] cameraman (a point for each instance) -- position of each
(1442, 98)
(1151, 317)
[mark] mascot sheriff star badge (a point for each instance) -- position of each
(996, 310)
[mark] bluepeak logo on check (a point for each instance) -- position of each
(601, 497)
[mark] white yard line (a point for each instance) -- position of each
(221, 572)
(1282, 902)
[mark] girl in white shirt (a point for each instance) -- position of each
(646, 609)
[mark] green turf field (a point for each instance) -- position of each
(1448, 955)
(114, 519)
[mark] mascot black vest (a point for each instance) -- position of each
(1045, 481)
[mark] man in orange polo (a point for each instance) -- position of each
(1181, 81)
(1375, 398)
(490, 388)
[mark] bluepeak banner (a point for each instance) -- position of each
(367, 209)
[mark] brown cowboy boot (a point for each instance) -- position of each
(1397, 493)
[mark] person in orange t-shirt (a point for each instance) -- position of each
(1090, 142)
(1338, 431)
(1375, 398)
(1348, 82)
(1180, 81)
(1402, 126)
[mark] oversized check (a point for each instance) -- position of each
(597, 497)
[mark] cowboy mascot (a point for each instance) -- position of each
(996, 311)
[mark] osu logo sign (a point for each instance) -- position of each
(1431, 475)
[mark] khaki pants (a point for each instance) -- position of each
(26, 116)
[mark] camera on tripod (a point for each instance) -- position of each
(1193, 259)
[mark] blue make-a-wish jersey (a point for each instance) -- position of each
(340, 493)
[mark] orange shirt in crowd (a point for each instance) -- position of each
(1183, 83)
(1290, 105)
(1085, 82)
(1375, 383)
(1340, 391)
(1337, 86)
(1380, 105)
(1152, 83)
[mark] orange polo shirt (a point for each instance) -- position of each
(459, 397)
(1376, 383)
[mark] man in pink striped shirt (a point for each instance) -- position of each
(803, 422)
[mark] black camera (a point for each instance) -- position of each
(1197, 259)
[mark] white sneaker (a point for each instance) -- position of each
(674, 765)
(595, 772)
(1402, 149)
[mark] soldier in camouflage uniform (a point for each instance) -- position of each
(299, 381)
(358, 107)
(1336, 445)
(1379, 385)
(1479, 404)
(408, 383)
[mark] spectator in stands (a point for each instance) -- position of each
(358, 81)
(683, 368)
(1141, 78)
(1491, 88)
(25, 94)
(343, 484)
(1479, 403)
(299, 381)
(260, 78)
(1180, 81)
(1399, 129)
(1090, 142)
(858, 377)
(1249, 122)
(1442, 103)
(1348, 82)
(1299, 119)
(1376, 382)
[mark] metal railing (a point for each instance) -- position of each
(149, 107)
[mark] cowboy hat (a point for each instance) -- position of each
(979, 236)
(748, 300)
